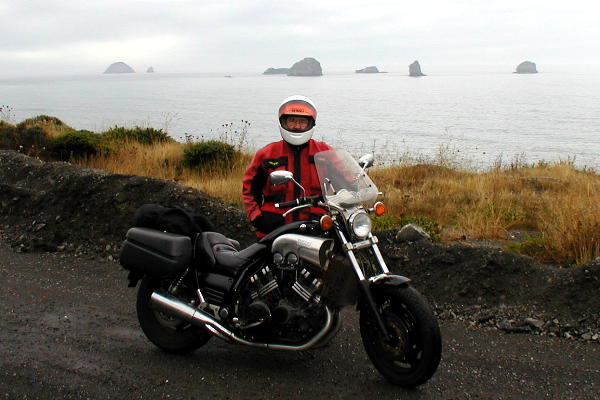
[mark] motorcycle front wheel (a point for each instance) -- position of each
(412, 353)
(168, 333)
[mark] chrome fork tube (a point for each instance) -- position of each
(366, 285)
(378, 256)
(351, 256)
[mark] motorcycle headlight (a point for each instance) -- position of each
(360, 223)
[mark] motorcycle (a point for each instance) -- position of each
(285, 291)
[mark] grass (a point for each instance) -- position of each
(558, 202)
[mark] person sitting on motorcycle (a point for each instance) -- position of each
(295, 153)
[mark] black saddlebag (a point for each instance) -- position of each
(155, 253)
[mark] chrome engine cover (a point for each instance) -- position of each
(310, 249)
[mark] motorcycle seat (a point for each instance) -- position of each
(222, 255)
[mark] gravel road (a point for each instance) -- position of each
(69, 330)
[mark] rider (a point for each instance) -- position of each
(295, 153)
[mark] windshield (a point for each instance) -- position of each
(342, 180)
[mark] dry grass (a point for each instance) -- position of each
(557, 201)
(163, 161)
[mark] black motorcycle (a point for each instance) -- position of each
(285, 292)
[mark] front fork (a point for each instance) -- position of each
(349, 248)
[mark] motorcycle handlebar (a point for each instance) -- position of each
(298, 202)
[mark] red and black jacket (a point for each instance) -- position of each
(259, 196)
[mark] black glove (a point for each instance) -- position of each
(268, 222)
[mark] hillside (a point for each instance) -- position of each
(58, 207)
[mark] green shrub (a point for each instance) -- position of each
(31, 141)
(8, 135)
(75, 144)
(40, 119)
(212, 152)
(530, 246)
(136, 134)
(386, 222)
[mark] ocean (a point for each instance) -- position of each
(475, 119)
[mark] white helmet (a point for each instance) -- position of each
(300, 106)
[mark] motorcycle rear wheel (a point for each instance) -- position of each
(413, 354)
(170, 334)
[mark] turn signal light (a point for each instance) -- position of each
(379, 208)
(326, 222)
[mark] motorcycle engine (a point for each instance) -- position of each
(282, 300)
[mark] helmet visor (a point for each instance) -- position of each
(296, 123)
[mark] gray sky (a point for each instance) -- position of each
(83, 37)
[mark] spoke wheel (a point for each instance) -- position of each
(411, 354)
(170, 334)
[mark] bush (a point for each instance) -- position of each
(40, 120)
(386, 222)
(32, 136)
(75, 144)
(31, 141)
(212, 153)
(7, 136)
(137, 134)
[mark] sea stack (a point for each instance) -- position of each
(276, 71)
(414, 69)
(526, 67)
(119, 68)
(368, 70)
(150, 70)
(306, 67)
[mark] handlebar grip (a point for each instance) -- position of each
(298, 202)
(287, 204)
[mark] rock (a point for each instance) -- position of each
(119, 68)
(526, 67)
(150, 70)
(536, 323)
(306, 67)
(276, 71)
(414, 69)
(368, 70)
(411, 233)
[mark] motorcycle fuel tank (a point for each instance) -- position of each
(311, 249)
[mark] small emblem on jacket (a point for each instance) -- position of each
(272, 164)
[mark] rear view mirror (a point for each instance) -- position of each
(281, 177)
(366, 161)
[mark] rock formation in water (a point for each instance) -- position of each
(306, 67)
(414, 69)
(150, 69)
(526, 67)
(368, 70)
(276, 71)
(119, 68)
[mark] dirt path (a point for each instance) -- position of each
(68, 330)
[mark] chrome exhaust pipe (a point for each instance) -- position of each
(175, 307)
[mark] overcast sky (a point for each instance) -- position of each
(83, 37)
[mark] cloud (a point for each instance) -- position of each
(231, 35)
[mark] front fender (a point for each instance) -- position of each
(388, 280)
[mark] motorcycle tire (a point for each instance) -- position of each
(170, 334)
(413, 354)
